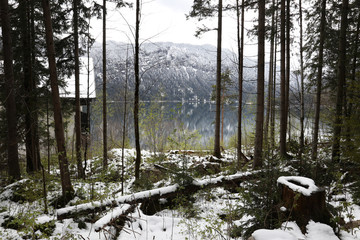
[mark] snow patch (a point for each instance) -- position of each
(265, 234)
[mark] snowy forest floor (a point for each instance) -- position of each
(211, 213)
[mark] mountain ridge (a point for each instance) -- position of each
(172, 71)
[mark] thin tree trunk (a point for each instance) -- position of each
(88, 130)
(240, 46)
(287, 81)
(283, 110)
(270, 80)
(105, 157)
(124, 126)
(80, 169)
(318, 82)
(12, 142)
(136, 97)
(302, 90)
(272, 122)
(222, 118)
(67, 190)
(217, 151)
(260, 89)
(341, 75)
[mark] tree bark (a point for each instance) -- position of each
(341, 75)
(287, 78)
(318, 82)
(283, 110)
(217, 151)
(80, 169)
(302, 87)
(31, 123)
(67, 190)
(240, 47)
(260, 89)
(105, 157)
(10, 104)
(270, 80)
(136, 97)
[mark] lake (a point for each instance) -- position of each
(174, 115)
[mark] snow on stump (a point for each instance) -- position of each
(303, 200)
(276, 234)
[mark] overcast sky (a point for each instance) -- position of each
(165, 21)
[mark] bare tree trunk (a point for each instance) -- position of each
(88, 130)
(105, 157)
(260, 88)
(67, 190)
(302, 89)
(287, 81)
(136, 97)
(353, 78)
(31, 133)
(318, 82)
(240, 46)
(283, 109)
(124, 125)
(77, 93)
(272, 122)
(270, 80)
(341, 75)
(12, 142)
(217, 152)
(222, 118)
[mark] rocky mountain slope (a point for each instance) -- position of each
(168, 71)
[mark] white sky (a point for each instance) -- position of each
(165, 21)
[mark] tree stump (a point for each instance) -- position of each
(304, 201)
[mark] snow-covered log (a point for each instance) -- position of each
(113, 215)
(303, 200)
(154, 194)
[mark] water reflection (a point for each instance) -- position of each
(193, 116)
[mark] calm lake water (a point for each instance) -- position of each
(180, 116)
(189, 116)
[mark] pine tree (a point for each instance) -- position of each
(12, 142)
(67, 190)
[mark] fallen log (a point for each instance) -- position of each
(155, 194)
(113, 216)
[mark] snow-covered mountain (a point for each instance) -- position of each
(177, 71)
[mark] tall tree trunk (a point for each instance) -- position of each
(353, 78)
(287, 81)
(31, 133)
(105, 157)
(270, 80)
(302, 89)
(88, 130)
(136, 97)
(341, 75)
(217, 152)
(318, 82)
(283, 110)
(240, 46)
(80, 169)
(272, 121)
(124, 124)
(67, 190)
(12, 142)
(260, 88)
